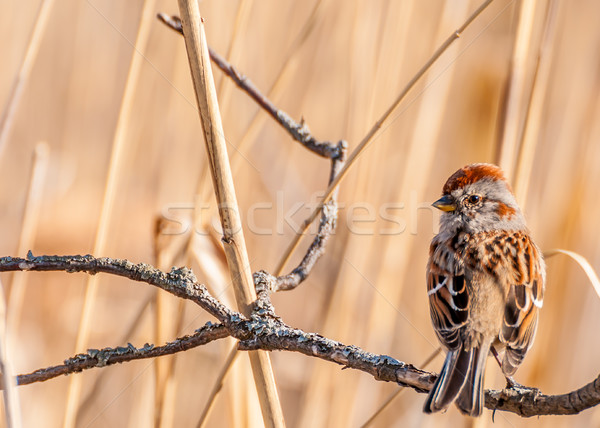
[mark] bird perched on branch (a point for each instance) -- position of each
(485, 283)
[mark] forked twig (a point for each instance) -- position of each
(301, 133)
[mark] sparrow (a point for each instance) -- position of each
(485, 283)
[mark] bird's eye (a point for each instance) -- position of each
(474, 199)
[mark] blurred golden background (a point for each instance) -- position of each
(89, 112)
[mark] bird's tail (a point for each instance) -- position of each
(461, 379)
(470, 400)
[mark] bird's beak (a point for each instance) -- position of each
(445, 203)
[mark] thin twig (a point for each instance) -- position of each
(326, 229)
(180, 282)
(121, 354)
(233, 236)
(299, 131)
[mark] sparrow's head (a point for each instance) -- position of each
(477, 198)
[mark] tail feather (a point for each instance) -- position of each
(470, 400)
(461, 380)
(450, 381)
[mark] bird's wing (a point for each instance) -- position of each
(525, 297)
(448, 297)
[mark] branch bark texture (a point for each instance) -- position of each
(264, 330)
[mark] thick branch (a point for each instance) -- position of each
(265, 330)
(523, 401)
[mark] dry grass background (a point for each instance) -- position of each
(338, 64)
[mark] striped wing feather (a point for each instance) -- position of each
(448, 303)
(525, 297)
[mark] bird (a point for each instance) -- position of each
(485, 284)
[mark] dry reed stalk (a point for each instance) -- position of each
(534, 116)
(367, 139)
(204, 191)
(12, 411)
(179, 251)
(339, 322)
(583, 264)
(140, 415)
(207, 255)
(559, 200)
(28, 232)
(100, 381)
(396, 250)
(233, 238)
(170, 251)
(284, 76)
(33, 47)
(231, 356)
(240, 26)
(243, 404)
(202, 249)
(318, 400)
(339, 318)
(116, 168)
(519, 91)
(169, 320)
(320, 407)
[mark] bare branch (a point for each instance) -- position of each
(523, 401)
(109, 356)
(265, 330)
